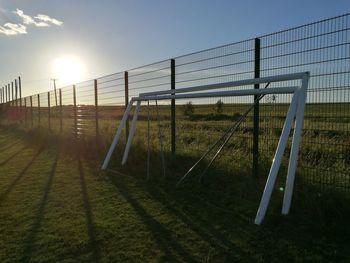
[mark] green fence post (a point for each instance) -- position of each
(61, 112)
(256, 110)
(126, 89)
(48, 110)
(173, 107)
(25, 111)
(75, 112)
(20, 97)
(39, 110)
(96, 110)
(31, 110)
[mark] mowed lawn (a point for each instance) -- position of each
(55, 206)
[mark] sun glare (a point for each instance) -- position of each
(68, 70)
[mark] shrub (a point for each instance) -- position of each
(219, 107)
(188, 109)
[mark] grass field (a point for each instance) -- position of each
(57, 207)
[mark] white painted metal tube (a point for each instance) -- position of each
(246, 92)
(244, 82)
(293, 159)
(277, 160)
(117, 136)
(132, 133)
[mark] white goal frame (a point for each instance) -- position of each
(295, 114)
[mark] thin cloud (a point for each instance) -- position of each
(40, 20)
(46, 18)
(13, 29)
(28, 20)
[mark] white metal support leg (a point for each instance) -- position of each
(277, 160)
(117, 136)
(132, 133)
(160, 139)
(293, 159)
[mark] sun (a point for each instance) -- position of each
(68, 70)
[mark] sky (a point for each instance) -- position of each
(39, 38)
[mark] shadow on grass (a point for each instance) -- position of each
(162, 235)
(14, 154)
(222, 211)
(30, 240)
(7, 146)
(199, 214)
(20, 175)
(8, 139)
(199, 224)
(93, 244)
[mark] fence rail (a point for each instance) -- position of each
(93, 108)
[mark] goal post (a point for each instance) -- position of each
(295, 113)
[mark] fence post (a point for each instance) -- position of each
(173, 112)
(61, 112)
(20, 87)
(16, 100)
(126, 89)
(38, 109)
(49, 110)
(20, 97)
(16, 90)
(12, 90)
(96, 110)
(256, 110)
(25, 111)
(75, 112)
(31, 110)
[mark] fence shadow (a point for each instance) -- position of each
(30, 240)
(203, 227)
(14, 154)
(7, 146)
(20, 175)
(93, 244)
(162, 235)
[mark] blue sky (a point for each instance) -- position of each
(111, 36)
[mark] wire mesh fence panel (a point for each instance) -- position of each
(54, 116)
(68, 118)
(111, 105)
(322, 48)
(149, 78)
(201, 122)
(35, 112)
(86, 113)
(44, 110)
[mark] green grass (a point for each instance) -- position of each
(57, 207)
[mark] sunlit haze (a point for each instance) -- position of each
(68, 70)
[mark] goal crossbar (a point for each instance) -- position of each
(230, 84)
(228, 93)
(295, 114)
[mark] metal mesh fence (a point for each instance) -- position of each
(93, 109)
